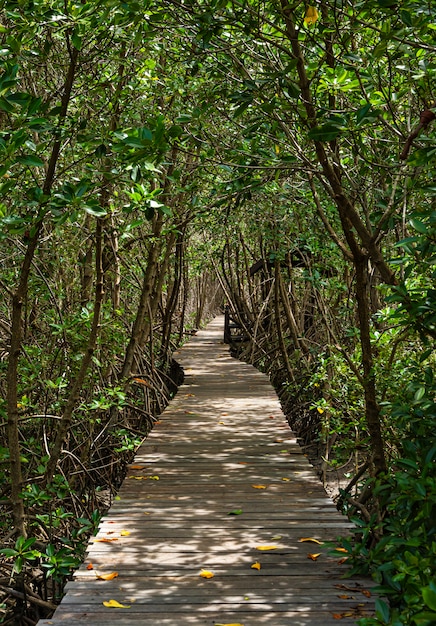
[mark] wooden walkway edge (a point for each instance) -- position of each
(220, 476)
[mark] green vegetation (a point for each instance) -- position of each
(160, 159)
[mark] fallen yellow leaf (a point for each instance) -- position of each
(109, 576)
(312, 540)
(341, 550)
(125, 533)
(256, 565)
(154, 477)
(113, 604)
(286, 479)
(313, 556)
(259, 486)
(206, 574)
(266, 547)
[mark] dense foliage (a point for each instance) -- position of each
(161, 157)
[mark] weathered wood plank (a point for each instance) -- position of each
(223, 433)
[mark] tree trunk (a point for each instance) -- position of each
(19, 296)
(67, 415)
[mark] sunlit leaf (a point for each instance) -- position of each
(114, 604)
(259, 486)
(312, 540)
(311, 16)
(105, 539)
(256, 565)
(267, 547)
(125, 533)
(341, 550)
(154, 477)
(205, 573)
(286, 479)
(314, 556)
(109, 576)
(320, 410)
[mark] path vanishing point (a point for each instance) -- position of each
(208, 525)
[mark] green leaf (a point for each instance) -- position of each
(419, 226)
(326, 132)
(429, 596)
(31, 160)
(382, 610)
(8, 552)
(76, 41)
(95, 209)
(6, 106)
(425, 618)
(235, 512)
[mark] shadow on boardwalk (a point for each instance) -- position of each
(219, 477)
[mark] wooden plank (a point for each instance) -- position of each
(223, 433)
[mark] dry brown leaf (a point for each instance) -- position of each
(341, 561)
(90, 566)
(141, 381)
(105, 539)
(138, 467)
(109, 576)
(366, 593)
(313, 556)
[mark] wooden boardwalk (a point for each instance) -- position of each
(223, 445)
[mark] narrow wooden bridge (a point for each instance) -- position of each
(208, 525)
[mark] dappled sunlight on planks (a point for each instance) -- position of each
(220, 475)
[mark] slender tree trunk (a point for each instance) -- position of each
(146, 291)
(282, 344)
(67, 416)
(18, 298)
(372, 409)
(174, 295)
